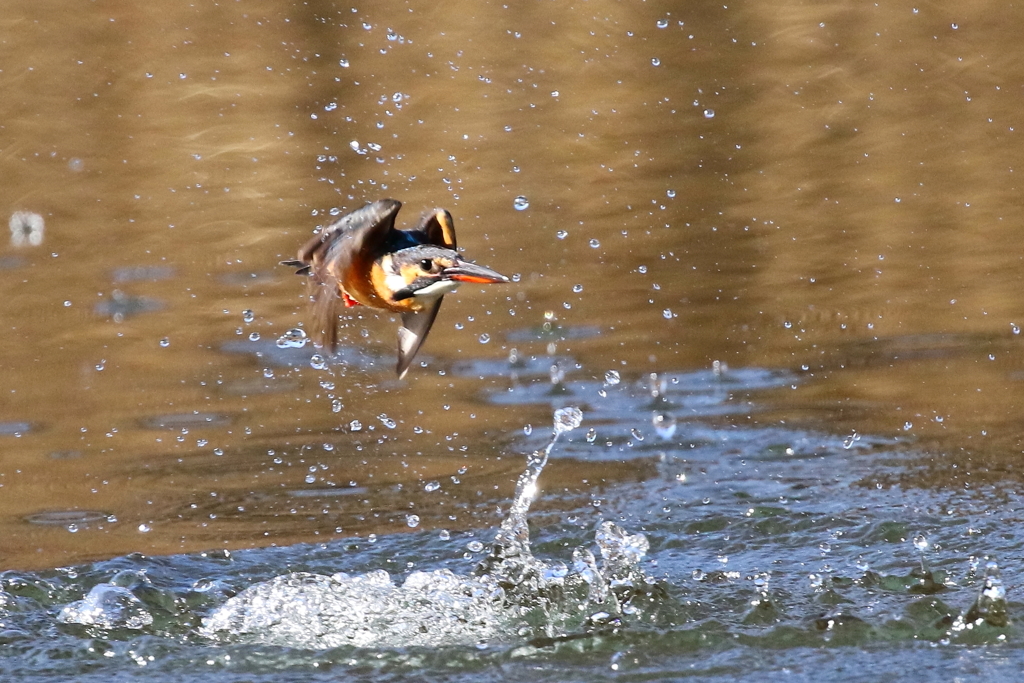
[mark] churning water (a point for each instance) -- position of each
(732, 545)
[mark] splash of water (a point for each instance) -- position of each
(510, 596)
(107, 606)
(990, 605)
(511, 548)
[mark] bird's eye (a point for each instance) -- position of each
(427, 265)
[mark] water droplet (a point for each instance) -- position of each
(556, 374)
(474, 546)
(567, 419)
(248, 316)
(412, 521)
(484, 338)
(294, 338)
(386, 421)
(636, 434)
(26, 228)
(268, 373)
(431, 486)
(577, 288)
(165, 342)
(611, 378)
(144, 528)
(343, 63)
(1015, 328)
(850, 440)
(664, 426)
(554, 93)
(317, 362)
(520, 203)
(310, 479)
(955, 26)
(591, 435)
(355, 425)
(528, 429)
(562, 234)
(372, 538)
(670, 194)
(444, 535)
(254, 336)
(667, 314)
(662, 23)
(655, 62)
(73, 528)
(336, 405)
(921, 543)
(594, 244)
(709, 113)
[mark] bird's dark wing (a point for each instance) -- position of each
(438, 228)
(346, 246)
(354, 233)
(411, 334)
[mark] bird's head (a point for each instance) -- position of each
(427, 272)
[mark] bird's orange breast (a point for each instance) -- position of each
(370, 288)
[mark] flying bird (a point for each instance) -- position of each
(362, 259)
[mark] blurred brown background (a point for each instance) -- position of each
(829, 189)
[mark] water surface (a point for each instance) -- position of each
(823, 199)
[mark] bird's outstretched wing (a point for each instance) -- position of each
(439, 228)
(411, 334)
(342, 249)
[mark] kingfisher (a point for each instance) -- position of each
(362, 259)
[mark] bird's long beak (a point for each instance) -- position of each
(471, 272)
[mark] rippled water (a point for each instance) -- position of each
(769, 250)
(757, 549)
